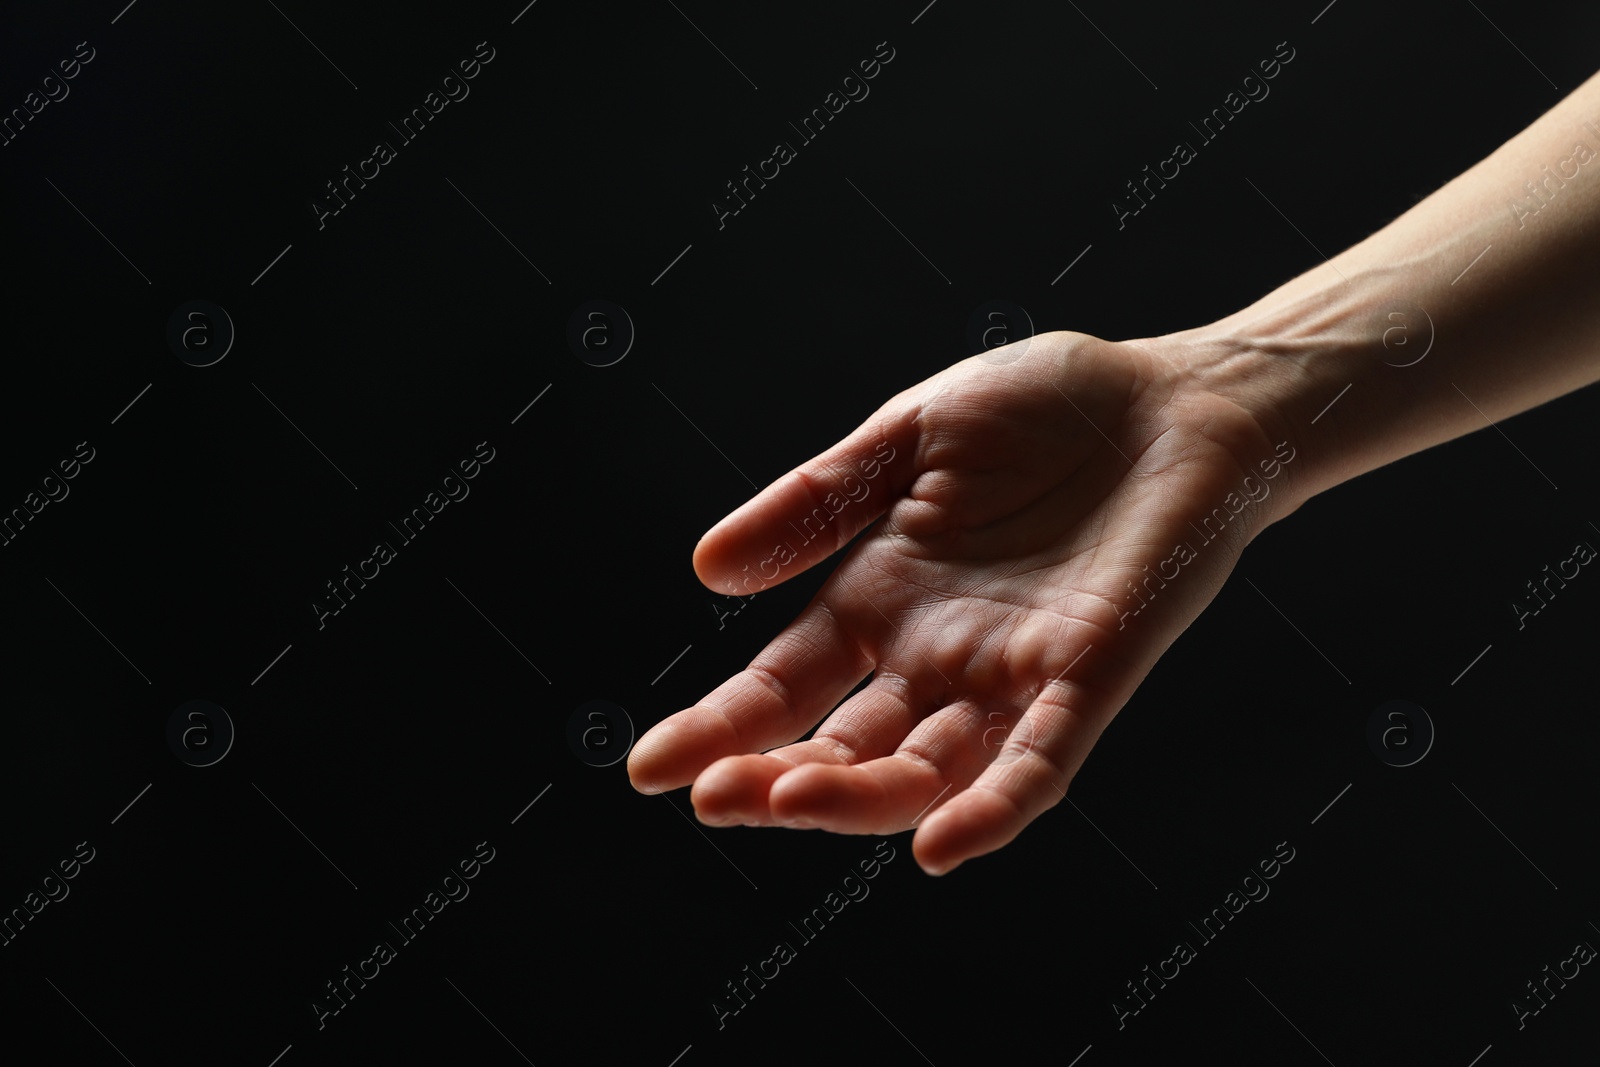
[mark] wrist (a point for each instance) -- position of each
(1326, 370)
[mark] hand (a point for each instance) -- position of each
(1023, 579)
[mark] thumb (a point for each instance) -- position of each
(809, 513)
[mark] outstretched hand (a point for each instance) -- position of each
(1022, 574)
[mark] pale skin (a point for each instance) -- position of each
(1000, 603)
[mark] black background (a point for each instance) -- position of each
(428, 714)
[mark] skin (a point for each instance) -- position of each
(999, 601)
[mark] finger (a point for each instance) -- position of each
(869, 725)
(1030, 775)
(786, 689)
(809, 513)
(878, 797)
(733, 791)
(889, 794)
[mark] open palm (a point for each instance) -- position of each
(1021, 576)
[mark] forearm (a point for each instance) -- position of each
(1503, 283)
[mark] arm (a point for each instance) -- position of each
(1045, 525)
(1520, 327)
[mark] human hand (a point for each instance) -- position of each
(1023, 576)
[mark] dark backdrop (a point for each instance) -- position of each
(375, 349)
